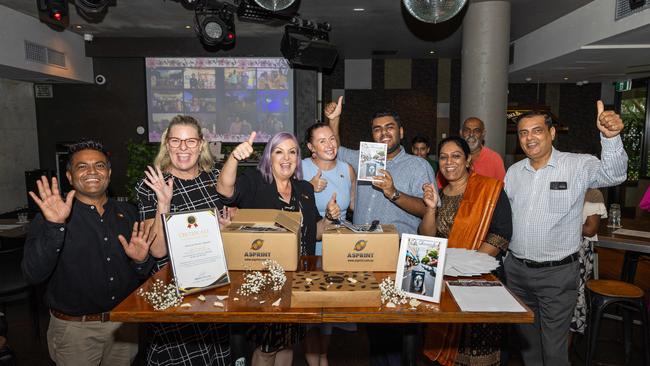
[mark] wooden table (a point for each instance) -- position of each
(135, 309)
(633, 246)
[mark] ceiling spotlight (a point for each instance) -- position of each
(274, 5)
(358, 9)
(54, 13)
(528, 79)
(565, 78)
(308, 47)
(432, 52)
(214, 24)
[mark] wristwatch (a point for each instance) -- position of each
(395, 196)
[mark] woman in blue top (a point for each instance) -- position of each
(328, 176)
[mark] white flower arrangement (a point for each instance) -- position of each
(161, 296)
(390, 295)
(257, 281)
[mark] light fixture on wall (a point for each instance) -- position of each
(214, 23)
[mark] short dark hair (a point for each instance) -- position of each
(548, 119)
(309, 134)
(86, 144)
(420, 139)
(458, 141)
(387, 113)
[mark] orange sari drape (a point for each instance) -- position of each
(469, 230)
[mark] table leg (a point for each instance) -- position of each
(630, 261)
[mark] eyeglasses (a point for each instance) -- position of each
(176, 142)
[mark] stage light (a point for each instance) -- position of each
(214, 24)
(54, 13)
(91, 6)
(308, 45)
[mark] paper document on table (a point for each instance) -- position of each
(9, 227)
(480, 295)
(642, 234)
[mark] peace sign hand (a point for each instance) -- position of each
(49, 200)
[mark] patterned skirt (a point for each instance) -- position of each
(586, 260)
(272, 337)
(189, 344)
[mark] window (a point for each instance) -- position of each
(636, 135)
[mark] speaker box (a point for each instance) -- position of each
(302, 50)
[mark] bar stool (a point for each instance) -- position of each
(628, 297)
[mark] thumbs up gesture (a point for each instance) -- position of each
(333, 211)
(245, 149)
(318, 182)
(333, 110)
(609, 123)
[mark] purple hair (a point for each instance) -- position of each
(265, 163)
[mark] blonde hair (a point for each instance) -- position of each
(206, 160)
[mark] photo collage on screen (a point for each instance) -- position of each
(230, 97)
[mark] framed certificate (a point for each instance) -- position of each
(420, 266)
(195, 250)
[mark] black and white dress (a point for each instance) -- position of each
(186, 344)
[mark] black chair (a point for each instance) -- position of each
(13, 285)
(629, 298)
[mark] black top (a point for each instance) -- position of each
(251, 191)
(86, 267)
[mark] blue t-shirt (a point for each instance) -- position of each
(338, 180)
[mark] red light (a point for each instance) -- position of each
(57, 16)
(231, 36)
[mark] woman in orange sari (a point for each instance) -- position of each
(474, 214)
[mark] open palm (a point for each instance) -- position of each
(49, 200)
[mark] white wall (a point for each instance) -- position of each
(18, 141)
(16, 28)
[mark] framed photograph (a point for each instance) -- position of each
(195, 250)
(372, 158)
(420, 266)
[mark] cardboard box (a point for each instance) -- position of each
(246, 248)
(345, 250)
(334, 289)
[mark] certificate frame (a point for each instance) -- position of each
(416, 273)
(195, 250)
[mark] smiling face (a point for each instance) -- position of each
(420, 149)
(536, 138)
(284, 159)
(386, 130)
(473, 132)
(89, 174)
(453, 163)
(323, 144)
(184, 146)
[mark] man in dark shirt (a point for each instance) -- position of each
(93, 253)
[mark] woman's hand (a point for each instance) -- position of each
(430, 196)
(319, 183)
(245, 149)
(163, 189)
(332, 211)
(333, 110)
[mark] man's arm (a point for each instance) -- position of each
(42, 248)
(612, 168)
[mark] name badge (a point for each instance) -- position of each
(558, 186)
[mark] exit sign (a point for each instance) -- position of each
(623, 85)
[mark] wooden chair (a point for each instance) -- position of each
(13, 285)
(603, 293)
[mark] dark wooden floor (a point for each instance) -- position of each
(351, 348)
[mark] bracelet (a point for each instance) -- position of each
(144, 260)
(329, 217)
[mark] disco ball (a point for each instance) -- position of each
(432, 11)
(274, 5)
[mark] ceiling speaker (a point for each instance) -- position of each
(434, 11)
(301, 48)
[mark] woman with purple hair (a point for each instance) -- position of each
(276, 184)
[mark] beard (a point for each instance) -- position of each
(474, 143)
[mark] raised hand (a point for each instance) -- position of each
(225, 216)
(430, 196)
(385, 183)
(609, 123)
(332, 211)
(49, 200)
(333, 110)
(163, 189)
(138, 247)
(318, 182)
(245, 149)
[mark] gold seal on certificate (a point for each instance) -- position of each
(196, 250)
